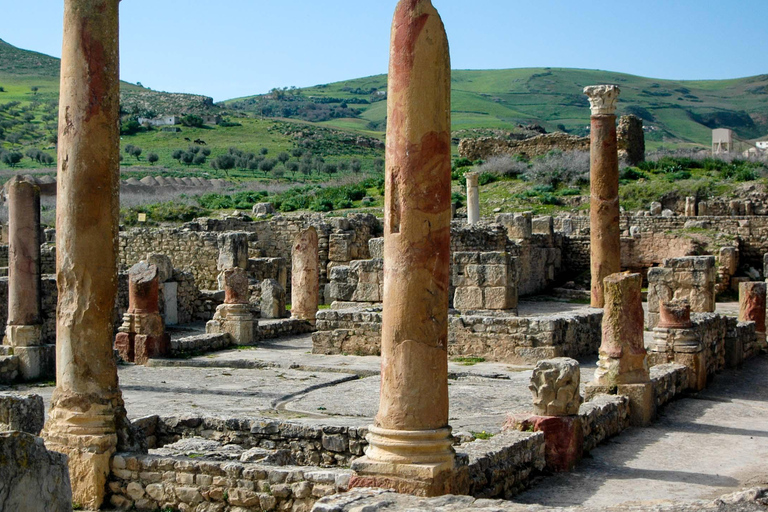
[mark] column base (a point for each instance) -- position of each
(629, 369)
(563, 440)
(84, 428)
(420, 462)
(642, 403)
(236, 320)
(36, 363)
(24, 335)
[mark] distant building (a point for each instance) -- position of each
(762, 144)
(160, 121)
(722, 141)
(212, 119)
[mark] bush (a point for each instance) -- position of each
(486, 178)
(631, 173)
(192, 121)
(567, 168)
(504, 166)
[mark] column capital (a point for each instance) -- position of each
(472, 178)
(603, 98)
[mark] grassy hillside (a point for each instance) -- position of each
(676, 112)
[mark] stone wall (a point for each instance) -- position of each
(486, 147)
(503, 338)
(692, 278)
(483, 281)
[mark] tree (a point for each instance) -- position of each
(199, 159)
(206, 152)
(187, 158)
(34, 89)
(12, 158)
(223, 162)
(152, 158)
(136, 152)
(343, 166)
(264, 151)
(177, 153)
(306, 169)
(355, 165)
(192, 121)
(297, 152)
(278, 173)
(267, 165)
(292, 168)
(283, 157)
(330, 169)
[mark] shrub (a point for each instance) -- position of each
(504, 166)
(567, 168)
(631, 173)
(192, 121)
(486, 178)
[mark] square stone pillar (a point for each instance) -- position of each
(605, 235)
(752, 297)
(410, 445)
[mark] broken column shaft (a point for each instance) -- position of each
(305, 276)
(473, 198)
(24, 329)
(605, 242)
(410, 442)
(87, 407)
(752, 298)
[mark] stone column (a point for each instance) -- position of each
(87, 412)
(142, 335)
(690, 206)
(473, 198)
(622, 364)
(234, 317)
(752, 307)
(676, 341)
(604, 188)
(410, 442)
(305, 276)
(24, 327)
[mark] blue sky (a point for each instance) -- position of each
(232, 48)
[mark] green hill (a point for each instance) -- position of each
(676, 112)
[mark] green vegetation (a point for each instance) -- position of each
(468, 361)
(482, 435)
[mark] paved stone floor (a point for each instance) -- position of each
(703, 445)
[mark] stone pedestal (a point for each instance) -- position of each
(605, 235)
(622, 360)
(142, 335)
(410, 448)
(24, 327)
(305, 276)
(752, 307)
(556, 401)
(473, 198)
(87, 418)
(234, 317)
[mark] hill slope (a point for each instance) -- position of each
(675, 111)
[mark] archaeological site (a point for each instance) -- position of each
(416, 357)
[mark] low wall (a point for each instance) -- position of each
(503, 338)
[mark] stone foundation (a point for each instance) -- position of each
(500, 337)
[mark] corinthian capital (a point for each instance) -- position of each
(602, 98)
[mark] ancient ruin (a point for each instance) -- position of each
(86, 420)
(473, 198)
(234, 317)
(604, 188)
(410, 448)
(305, 276)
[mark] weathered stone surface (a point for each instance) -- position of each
(235, 282)
(233, 251)
(87, 417)
(540, 145)
(163, 264)
(752, 304)
(605, 234)
(263, 209)
(235, 320)
(32, 479)
(473, 197)
(656, 208)
(272, 299)
(692, 278)
(555, 387)
(376, 248)
(23, 253)
(631, 139)
(410, 447)
(22, 413)
(143, 289)
(622, 351)
(305, 276)
(675, 314)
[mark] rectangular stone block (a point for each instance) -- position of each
(642, 403)
(474, 275)
(498, 298)
(468, 297)
(496, 275)
(36, 362)
(494, 258)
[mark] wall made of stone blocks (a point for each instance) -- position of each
(692, 278)
(502, 338)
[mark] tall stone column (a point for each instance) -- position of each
(24, 327)
(623, 364)
(752, 298)
(473, 198)
(87, 412)
(410, 442)
(605, 242)
(305, 276)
